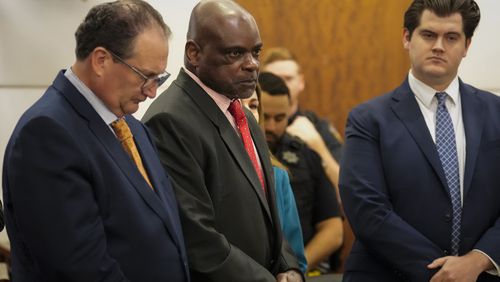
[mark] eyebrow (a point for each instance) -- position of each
(433, 32)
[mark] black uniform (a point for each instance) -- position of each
(314, 194)
(328, 133)
(334, 142)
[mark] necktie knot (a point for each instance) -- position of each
(123, 133)
(121, 129)
(441, 97)
(236, 110)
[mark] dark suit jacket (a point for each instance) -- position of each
(76, 206)
(394, 189)
(231, 228)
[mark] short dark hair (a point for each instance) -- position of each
(115, 25)
(273, 84)
(468, 9)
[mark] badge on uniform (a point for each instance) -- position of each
(290, 157)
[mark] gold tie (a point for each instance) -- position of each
(125, 136)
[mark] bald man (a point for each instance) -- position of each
(223, 187)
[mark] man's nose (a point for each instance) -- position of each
(250, 63)
(150, 91)
(269, 125)
(438, 44)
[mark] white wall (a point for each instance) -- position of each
(481, 66)
(37, 40)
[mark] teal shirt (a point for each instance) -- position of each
(289, 217)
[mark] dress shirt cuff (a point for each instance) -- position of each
(496, 270)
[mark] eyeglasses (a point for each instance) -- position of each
(148, 81)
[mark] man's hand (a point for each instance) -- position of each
(303, 128)
(465, 268)
(289, 276)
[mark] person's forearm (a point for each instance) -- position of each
(330, 165)
(324, 243)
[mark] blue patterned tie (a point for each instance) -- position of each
(447, 150)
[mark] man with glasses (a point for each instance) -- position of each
(86, 196)
(217, 154)
(152, 81)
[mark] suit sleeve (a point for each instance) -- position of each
(54, 207)
(368, 205)
(489, 245)
(210, 254)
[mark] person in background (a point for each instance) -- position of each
(317, 133)
(419, 179)
(217, 156)
(315, 196)
(285, 200)
(86, 197)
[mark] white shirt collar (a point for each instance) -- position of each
(425, 94)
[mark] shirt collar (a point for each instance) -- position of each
(221, 100)
(425, 94)
(96, 103)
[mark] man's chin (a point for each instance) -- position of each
(245, 93)
(238, 95)
(131, 108)
(436, 71)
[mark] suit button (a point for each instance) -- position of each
(446, 252)
(447, 217)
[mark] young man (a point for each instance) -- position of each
(317, 133)
(315, 196)
(419, 181)
(86, 197)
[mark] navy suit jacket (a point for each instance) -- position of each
(394, 189)
(76, 206)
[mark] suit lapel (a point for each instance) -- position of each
(473, 118)
(406, 108)
(103, 133)
(226, 131)
(267, 168)
(163, 203)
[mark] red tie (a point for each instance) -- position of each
(242, 124)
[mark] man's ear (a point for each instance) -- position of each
(302, 82)
(99, 58)
(192, 51)
(467, 45)
(406, 38)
